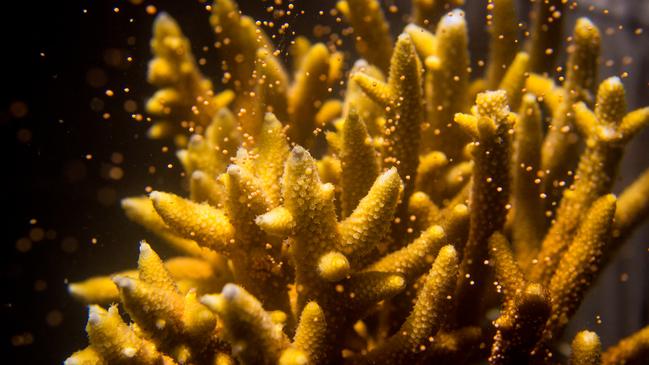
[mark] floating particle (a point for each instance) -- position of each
(75, 170)
(50, 234)
(54, 318)
(23, 244)
(114, 57)
(23, 339)
(96, 77)
(96, 104)
(24, 135)
(116, 173)
(69, 245)
(36, 234)
(18, 109)
(130, 106)
(117, 158)
(624, 277)
(40, 285)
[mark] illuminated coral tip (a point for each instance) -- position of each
(230, 291)
(452, 19)
(94, 314)
(124, 282)
(360, 64)
(197, 175)
(234, 171)
(145, 248)
(589, 337)
(212, 301)
(298, 152)
(155, 196)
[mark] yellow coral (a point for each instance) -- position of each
(373, 39)
(586, 349)
(490, 128)
(358, 159)
(185, 93)
(504, 39)
(607, 129)
(447, 85)
(577, 267)
(427, 316)
(520, 327)
(579, 85)
(401, 97)
(528, 222)
(397, 240)
(630, 350)
(547, 26)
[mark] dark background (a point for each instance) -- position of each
(65, 165)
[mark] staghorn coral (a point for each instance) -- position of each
(389, 245)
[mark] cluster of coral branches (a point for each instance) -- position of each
(386, 226)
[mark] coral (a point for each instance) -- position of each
(586, 349)
(631, 350)
(391, 237)
(373, 40)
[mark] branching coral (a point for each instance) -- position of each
(391, 244)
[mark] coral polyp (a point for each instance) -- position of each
(384, 224)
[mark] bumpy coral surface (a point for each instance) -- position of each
(379, 227)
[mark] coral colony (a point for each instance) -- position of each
(386, 226)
